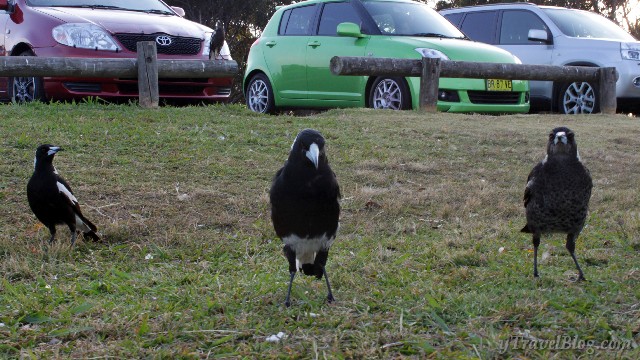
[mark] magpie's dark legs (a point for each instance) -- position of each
(287, 301)
(571, 246)
(536, 243)
(52, 230)
(74, 234)
(330, 297)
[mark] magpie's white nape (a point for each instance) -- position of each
(556, 197)
(51, 199)
(305, 208)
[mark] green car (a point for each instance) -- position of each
(288, 66)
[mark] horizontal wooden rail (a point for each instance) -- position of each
(146, 68)
(433, 69)
(106, 68)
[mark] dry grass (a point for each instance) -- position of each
(191, 268)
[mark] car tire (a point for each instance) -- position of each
(579, 97)
(259, 95)
(390, 93)
(27, 88)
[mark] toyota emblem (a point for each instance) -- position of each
(163, 40)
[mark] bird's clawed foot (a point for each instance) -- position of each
(330, 299)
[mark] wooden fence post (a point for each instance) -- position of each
(148, 90)
(607, 90)
(429, 82)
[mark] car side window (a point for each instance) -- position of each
(297, 21)
(334, 14)
(454, 18)
(516, 25)
(480, 26)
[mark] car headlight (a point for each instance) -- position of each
(207, 44)
(84, 36)
(432, 53)
(630, 51)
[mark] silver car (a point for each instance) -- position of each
(558, 36)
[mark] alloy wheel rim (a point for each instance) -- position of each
(24, 89)
(579, 98)
(258, 96)
(387, 95)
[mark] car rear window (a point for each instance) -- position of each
(480, 26)
(454, 18)
(297, 21)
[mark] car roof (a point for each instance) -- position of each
(308, 2)
(489, 6)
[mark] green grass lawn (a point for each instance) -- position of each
(428, 262)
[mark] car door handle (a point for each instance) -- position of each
(314, 44)
(271, 43)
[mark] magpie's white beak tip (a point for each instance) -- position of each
(313, 154)
(53, 150)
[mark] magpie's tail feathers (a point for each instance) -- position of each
(526, 229)
(87, 228)
(92, 235)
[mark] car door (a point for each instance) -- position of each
(285, 54)
(324, 45)
(514, 37)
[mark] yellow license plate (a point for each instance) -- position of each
(499, 85)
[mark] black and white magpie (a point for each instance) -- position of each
(557, 194)
(217, 41)
(305, 208)
(51, 199)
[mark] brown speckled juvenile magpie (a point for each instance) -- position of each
(557, 194)
(51, 199)
(305, 209)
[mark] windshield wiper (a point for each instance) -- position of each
(436, 35)
(156, 11)
(110, 7)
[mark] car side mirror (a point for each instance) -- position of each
(539, 35)
(349, 29)
(177, 9)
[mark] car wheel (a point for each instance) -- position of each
(260, 95)
(26, 89)
(578, 98)
(390, 93)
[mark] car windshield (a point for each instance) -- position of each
(154, 6)
(584, 24)
(410, 19)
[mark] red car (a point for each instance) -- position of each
(103, 29)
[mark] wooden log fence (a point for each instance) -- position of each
(147, 68)
(430, 71)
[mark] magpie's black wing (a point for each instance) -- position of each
(534, 183)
